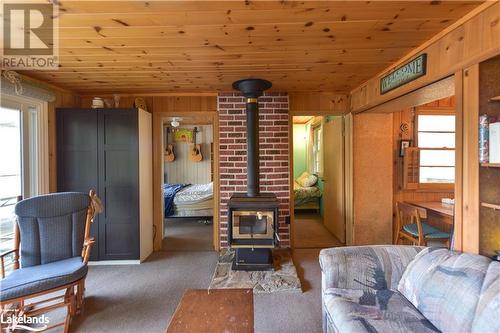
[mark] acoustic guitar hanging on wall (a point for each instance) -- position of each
(169, 150)
(195, 155)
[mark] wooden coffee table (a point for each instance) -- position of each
(215, 310)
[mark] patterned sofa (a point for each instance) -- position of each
(390, 288)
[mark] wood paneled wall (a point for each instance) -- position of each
(308, 103)
(473, 38)
(372, 178)
(164, 103)
(182, 169)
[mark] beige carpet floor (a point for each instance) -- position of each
(143, 298)
(187, 234)
(310, 232)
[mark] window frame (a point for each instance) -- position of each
(317, 148)
(34, 142)
(433, 111)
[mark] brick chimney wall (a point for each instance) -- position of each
(274, 165)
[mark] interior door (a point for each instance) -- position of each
(118, 158)
(333, 174)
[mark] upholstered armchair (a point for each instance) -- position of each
(53, 232)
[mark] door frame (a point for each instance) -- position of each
(347, 132)
(465, 192)
(158, 171)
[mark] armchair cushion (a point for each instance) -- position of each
(51, 227)
(384, 310)
(35, 279)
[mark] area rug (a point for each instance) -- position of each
(283, 278)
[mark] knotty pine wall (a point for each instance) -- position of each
(163, 103)
(184, 171)
(472, 39)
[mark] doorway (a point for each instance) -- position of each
(188, 188)
(318, 181)
(425, 160)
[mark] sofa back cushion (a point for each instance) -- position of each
(488, 308)
(445, 287)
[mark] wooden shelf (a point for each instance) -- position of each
(490, 165)
(490, 205)
(495, 99)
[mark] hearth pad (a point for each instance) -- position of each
(283, 278)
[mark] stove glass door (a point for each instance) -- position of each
(252, 224)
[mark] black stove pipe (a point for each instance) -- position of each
(252, 89)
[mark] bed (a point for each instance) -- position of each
(306, 195)
(189, 200)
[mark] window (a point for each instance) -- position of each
(24, 151)
(436, 142)
(10, 173)
(316, 150)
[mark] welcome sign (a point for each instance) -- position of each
(410, 71)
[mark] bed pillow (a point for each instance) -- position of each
(307, 180)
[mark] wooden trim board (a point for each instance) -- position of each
(459, 158)
(470, 179)
(434, 91)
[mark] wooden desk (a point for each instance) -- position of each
(217, 311)
(438, 214)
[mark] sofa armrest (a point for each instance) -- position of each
(365, 267)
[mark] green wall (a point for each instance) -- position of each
(299, 150)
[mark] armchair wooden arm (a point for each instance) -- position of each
(15, 261)
(87, 246)
(94, 207)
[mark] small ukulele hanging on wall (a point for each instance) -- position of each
(195, 155)
(169, 148)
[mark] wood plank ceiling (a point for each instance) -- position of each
(165, 46)
(302, 119)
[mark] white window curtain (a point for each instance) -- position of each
(29, 90)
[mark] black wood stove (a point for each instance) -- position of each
(253, 216)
